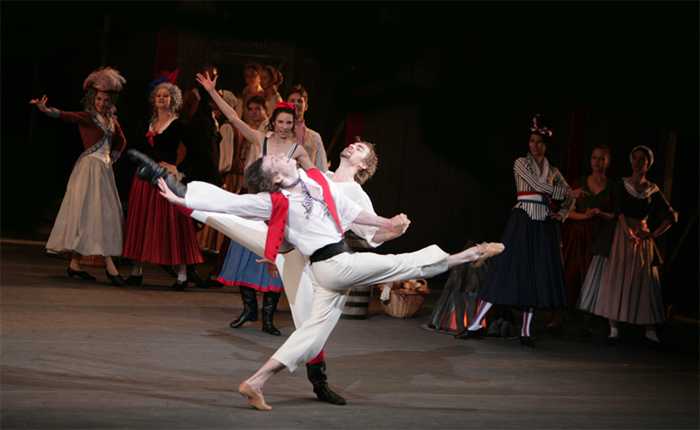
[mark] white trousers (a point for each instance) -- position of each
(317, 292)
(293, 267)
(332, 280)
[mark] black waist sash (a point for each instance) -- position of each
(329, 251)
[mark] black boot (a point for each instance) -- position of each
(270, 299)
(250, 307)
(317, 376)
(192, 274)
(150, 171)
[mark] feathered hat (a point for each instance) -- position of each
(105, 79)
(165, 76)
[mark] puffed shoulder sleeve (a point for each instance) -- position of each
(663, 207)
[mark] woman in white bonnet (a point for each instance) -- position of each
(627, 285)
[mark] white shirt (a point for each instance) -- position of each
(354, 192)
(305, 233)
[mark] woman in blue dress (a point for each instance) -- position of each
(243, 268)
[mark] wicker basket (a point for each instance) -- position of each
(404, 303)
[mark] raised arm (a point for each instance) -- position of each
(72, 117)
(209, 85)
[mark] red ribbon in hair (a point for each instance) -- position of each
(284, 105)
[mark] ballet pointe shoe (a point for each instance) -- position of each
(488, 250)
(257, 400)
(148, 170)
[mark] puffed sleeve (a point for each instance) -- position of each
(663, 208)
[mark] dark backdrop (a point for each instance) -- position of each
(446, 91)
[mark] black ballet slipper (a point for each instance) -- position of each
(148, 170)
(133, 280)
(80, 274)
(116, 279)
(179, 286)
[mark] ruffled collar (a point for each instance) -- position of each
(650, 189)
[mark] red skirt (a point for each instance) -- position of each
(156, 232)
(577, 238)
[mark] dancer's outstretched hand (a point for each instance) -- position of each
(40, 103)
(206, 82)
(168, 194)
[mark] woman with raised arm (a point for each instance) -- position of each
(90, 220)
(242, 267)
(279, 137)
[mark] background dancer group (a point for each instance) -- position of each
(308, 209)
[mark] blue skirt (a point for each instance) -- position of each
(241, 269)
(530, 271)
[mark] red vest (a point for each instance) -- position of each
(280, 208)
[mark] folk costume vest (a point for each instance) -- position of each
(280, 209)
